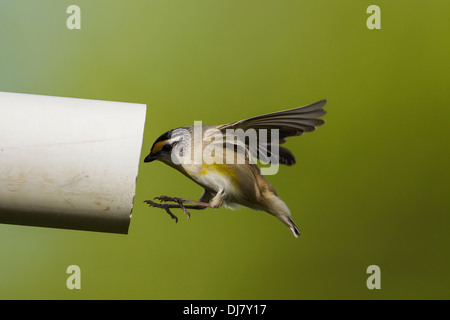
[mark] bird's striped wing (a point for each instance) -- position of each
(290, 123)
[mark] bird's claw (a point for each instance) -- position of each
(166, 199)
(167, 206)
(162, 206)
(177, 200)
(172, 215)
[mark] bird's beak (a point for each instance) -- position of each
(149, 158)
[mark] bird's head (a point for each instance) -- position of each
(163, 146)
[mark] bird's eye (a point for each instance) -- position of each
(167, 147)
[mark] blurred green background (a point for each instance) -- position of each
(369, 187)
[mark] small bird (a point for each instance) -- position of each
(236, 182)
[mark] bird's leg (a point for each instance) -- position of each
(196, 205)
(180, 202)
(217, 201)
(164, 206)
(203, 203)
(180, 205)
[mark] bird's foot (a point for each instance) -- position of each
(198, 204)
(166, 207)
(180, 205)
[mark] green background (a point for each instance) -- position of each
(369, 187)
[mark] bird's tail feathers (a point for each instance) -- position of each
(280, 210)
(291, 224)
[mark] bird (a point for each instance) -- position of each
(238, 182)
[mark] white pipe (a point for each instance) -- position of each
(68, 163)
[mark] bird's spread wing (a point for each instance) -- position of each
(292, 122)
